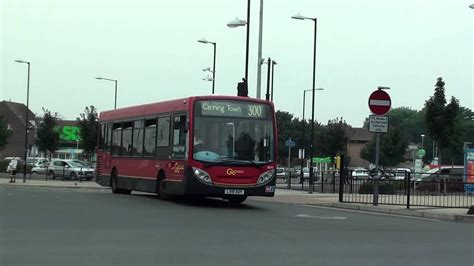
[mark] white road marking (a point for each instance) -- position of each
(321, 217)
(373, 213)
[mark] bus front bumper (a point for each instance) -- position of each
(196, 187)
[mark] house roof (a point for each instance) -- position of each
(359, 134)
(19, 110)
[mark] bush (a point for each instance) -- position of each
(384, 188)
(3, 166)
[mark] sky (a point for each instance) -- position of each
(151, 48)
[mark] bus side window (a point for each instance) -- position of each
(116, 139)
(179, 130)
(163, 131)
(102, 135)
(137, 140)
(108, 138)
(149, 147)
(127, 138)
(179, 137)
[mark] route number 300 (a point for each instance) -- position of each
(255, 111)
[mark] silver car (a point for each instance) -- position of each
(69, 169)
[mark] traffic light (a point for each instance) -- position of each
(242, 88)
(338, 162)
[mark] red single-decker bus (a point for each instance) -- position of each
(209, 146)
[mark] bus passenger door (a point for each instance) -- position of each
(180, 144)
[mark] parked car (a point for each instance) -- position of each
(445, 178)
(296, 172)
(39, 169)
(281, 173)
(69, 169)
(36, 161)
(401, 173)
(360, 173)
(83, 163)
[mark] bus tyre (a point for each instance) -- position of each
(114, 185)
(160, 187)
(236, 199)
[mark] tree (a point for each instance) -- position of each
(5, 133)
(442, 121)
(89, 129)
(412, 122)
(334, 138)
(392, 148)
(47, 139)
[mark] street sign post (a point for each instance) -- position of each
(289, 143)
(379, 105)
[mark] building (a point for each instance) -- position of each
(15, 114)
(358, 138)
(69, 140)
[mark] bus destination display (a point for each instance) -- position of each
(232, 109)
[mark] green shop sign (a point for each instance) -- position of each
(322, 160)
(68, 133)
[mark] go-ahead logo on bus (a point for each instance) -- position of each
(177, 168)
(231, 171)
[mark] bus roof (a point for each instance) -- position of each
(167, 107)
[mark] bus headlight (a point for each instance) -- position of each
(265, 177)
(202, 175)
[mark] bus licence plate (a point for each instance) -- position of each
(234, 192)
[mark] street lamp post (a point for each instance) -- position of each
(237, 23)
(214, 62)
(302, 138)
(114, 80)
(26, 116)
(303, 132)
(422, 139)
(311, 177)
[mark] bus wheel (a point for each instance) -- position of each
(114, 185)
(159, 187)
(236, 199)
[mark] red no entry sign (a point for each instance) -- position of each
(379, 102)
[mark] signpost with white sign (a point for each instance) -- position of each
(379, 105)
(378, 124)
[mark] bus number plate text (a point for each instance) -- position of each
(234, 192)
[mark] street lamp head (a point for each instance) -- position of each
(471, 6)
(203, 40)
(236, 23)
(22, 61)
(299, 16)
(207, 78)
(422, 135)
(319, 89)
(99, 78)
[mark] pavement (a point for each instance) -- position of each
(282, 195)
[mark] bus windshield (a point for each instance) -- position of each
(233, 132)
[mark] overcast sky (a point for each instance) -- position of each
(151, 48)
